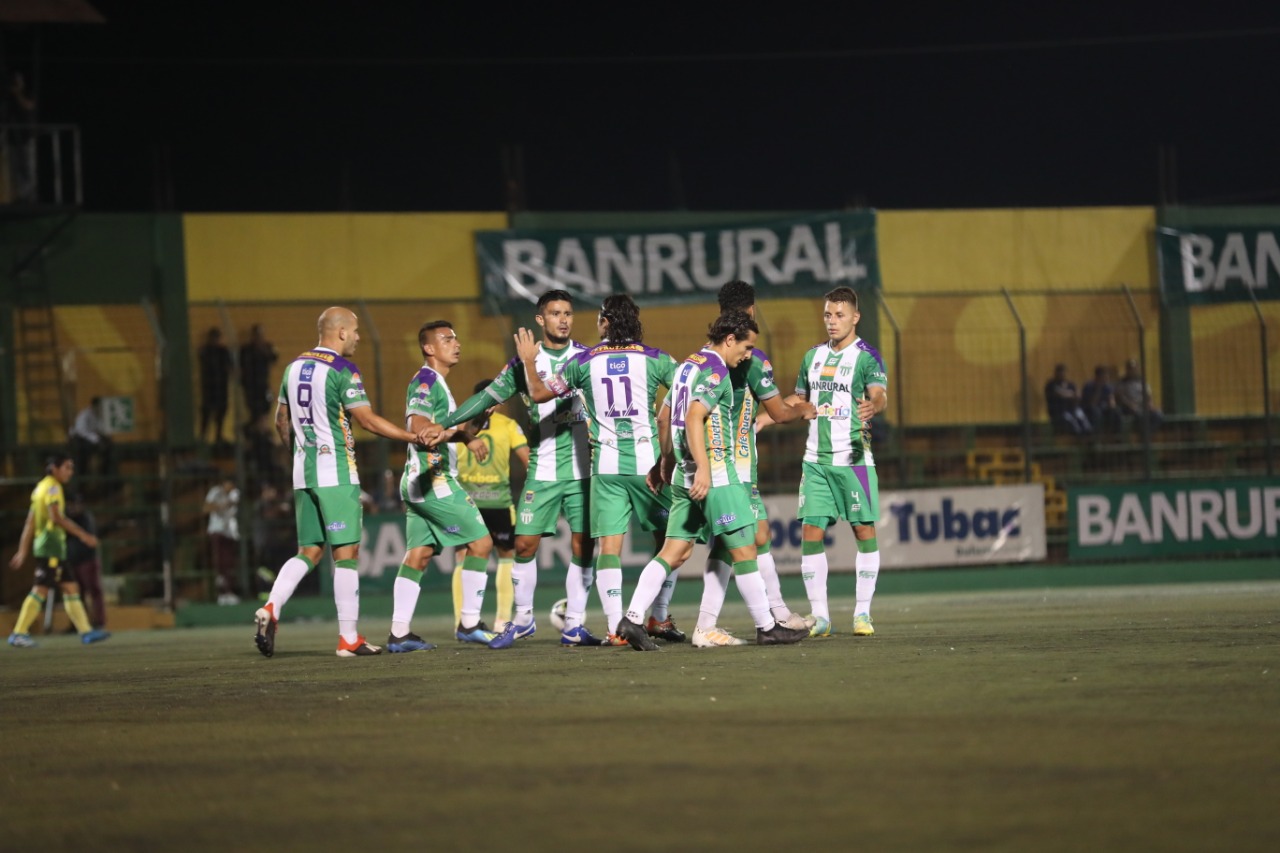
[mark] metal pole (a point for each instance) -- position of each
(1266, 382)
(166, 483)
(899, 421)
(1146, 404)
(1026, 391)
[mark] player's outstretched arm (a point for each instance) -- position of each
(783, 412)
(471, 408)
(378, 425)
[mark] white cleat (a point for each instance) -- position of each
(706, 638)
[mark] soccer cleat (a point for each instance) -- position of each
(266, 622)
(635, 636)
(580, 636)
(97, 635)
(360, 648)
(410, 642)
(22, 641)
(862, 625)
(523, 631)
(506, 639)
(614, 640)
(706, 638)
(478, 633)
(795, 620)
(664, 630)
(820, 627)
(779, 635)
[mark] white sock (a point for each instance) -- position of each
(609, 588)
(715, 583)
(473, 585)
(524, 580)
(404, 597)
(647, 589)
(662, 603)
(772, 586)
(814, 569)
(868, 567)
(577, 589)
(751, 587)
(346, 595)
(287, 580)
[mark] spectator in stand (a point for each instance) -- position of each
(1063, 402)
(256, 358)
(1098, 399)
(84, 563)
(1133, 397)
(215, 377)
(222, 505)
(90, 439)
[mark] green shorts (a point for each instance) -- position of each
(543, 503)
(725, 512)
(617, 497)
(329, 514)
(758, 508)
(850, 494)
(443, 522)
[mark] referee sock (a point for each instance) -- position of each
(455, 584)
(504, 590)
(31, 607)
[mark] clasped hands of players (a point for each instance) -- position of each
(433, 435)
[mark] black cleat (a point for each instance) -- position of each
(265, 638)
(664, 630)
(635, 636)
(780, 635)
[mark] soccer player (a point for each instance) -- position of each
(488, 481)
(45, 534)
(618, 380)
(845, 378)
(558, 470)
(707, 497)
(320, 394)
(439, 512)
(753, 387)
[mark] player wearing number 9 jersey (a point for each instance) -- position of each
(320, 395)
(618, 381)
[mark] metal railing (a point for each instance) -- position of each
(40, 165)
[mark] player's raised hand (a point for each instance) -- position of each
(526, 344)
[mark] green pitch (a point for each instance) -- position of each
(1127, 718)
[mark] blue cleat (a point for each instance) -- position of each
(478, 633)
(506, 639)
(22, 641)
(820, 628)
(97, 635)
(579, 636)
(523, 631)
(410, 642)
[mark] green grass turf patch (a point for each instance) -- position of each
(1118, 718)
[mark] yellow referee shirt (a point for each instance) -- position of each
(489, 482)
(51, 540)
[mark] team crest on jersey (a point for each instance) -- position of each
(528, 496)
(616, 366)
(325, 450)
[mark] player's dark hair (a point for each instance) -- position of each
(55, 460)
(623, 315)
(552, 296)
(843, 294)
(428, 328)
(736, 323)
(737, 295)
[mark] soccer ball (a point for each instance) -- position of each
(557, 613)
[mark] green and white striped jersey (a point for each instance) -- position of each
(559, 445)
(752, 384)
(619, 385)
(435, 470)
(320, 387)
(834, 382)
(704, 377)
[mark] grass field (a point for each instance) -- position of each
(1125, 718)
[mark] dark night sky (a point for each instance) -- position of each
(396, 106)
